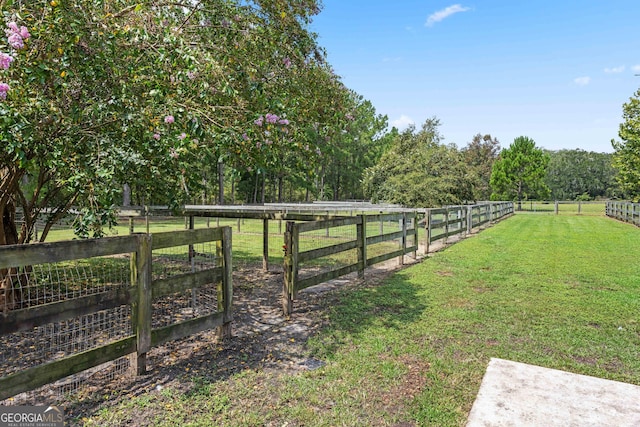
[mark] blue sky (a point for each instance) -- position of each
(555, 71)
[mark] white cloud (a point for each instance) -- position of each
(614, 70)
(636, 68)
(582, 81)
(403, 122)
(444, 13)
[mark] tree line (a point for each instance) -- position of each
(419, 169)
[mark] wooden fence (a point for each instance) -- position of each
(624, 211)
(442, 223)
(364, 238)
(151, 283)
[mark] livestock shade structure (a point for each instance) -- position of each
(517, 394)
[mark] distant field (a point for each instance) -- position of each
(557, 291)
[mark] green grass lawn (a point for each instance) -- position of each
(562, 292)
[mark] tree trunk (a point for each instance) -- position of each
(10, 296)
(220, 183)
(126, 195)
(255, 190)
(280, 188)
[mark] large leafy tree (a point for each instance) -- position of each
(152, 94)
(419, 170)
(626, 158)
(479, 156)
(519, 172)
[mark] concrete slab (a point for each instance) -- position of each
(517, 394)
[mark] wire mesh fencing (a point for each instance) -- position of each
(76, 305)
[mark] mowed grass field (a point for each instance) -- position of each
(557, 291)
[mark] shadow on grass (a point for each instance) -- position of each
(387, 301)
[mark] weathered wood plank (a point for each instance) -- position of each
(182, 282)
(326, 276)
(183, 329)
(318, 225)
(384, 237)
(328, 250)
(28, 318)
(385, 257)
(187, 237)
(384, 217)
(40, 375)
(42, 253)
(227, 278)
(361, 237)
(144, 313)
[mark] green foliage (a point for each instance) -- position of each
(519, 172)
(479, 156)
(581, 175)
(418, 170)
(154, 95)
(626, 158)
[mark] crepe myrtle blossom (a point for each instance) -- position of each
(15, 41)
(16, 35)
(169, 119)
(259, 121)
(5, 60)
(245, 136)
(4, 88)
(271, 118)
(156, 136)
(283, 122)
(182, 136)
(173, 153)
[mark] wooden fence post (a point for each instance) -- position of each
(404, 238)
(361, 236)
(428, 230)
(290, 268)
(191, 249)
(446, 225)
(142, 272)
(265, 244)
(225, 288)
(416, 237)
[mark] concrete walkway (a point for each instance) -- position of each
(517, 394)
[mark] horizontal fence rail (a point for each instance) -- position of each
(442, 223)
(624, 211)
(70, 306)
(350, 243)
